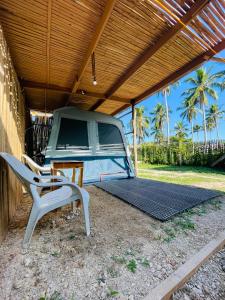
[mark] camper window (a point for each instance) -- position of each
(109, 137)
(73, 134)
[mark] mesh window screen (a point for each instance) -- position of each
(110, 137)
(73, 134)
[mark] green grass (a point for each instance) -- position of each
(199, 170)
(132, 265)
(119, 259)
(112, 293)
(186, 175)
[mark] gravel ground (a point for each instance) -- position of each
(127, 254)
(208, 283)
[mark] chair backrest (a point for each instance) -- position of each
(25, 175)
(31, 164)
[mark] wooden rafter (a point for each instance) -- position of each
(42, 86)
(218, 59)
(97, 104)
(151, 50)
(94, 42)
(60, 89)
(179, 73)
(125, 106)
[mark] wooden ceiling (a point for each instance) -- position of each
(140, 47)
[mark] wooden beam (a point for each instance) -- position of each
(42, 86)
(94, 42)
(60, 89)
(181, 72)
(97, 104)
(152, 49)
(218, 59)
(166, 288)
(121, 109)
(101, 96)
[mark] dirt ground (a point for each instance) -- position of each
(127, 254)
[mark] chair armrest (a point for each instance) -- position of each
(61, 181)
(44, 169)
(74, 186)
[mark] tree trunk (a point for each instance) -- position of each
(167, 118)
(204, 123)
(192, 132)
(134, 139)
(217, 132)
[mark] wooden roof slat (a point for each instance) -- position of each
(150, 51)
(49, 20)
(218, 8)
(217, 14)
(206, 15)
(49, 46)
(185, 69)
(99, 30)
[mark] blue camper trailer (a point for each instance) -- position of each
(94, 138)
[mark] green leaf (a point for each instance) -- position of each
(132, 265)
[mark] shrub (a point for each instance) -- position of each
(177, 154)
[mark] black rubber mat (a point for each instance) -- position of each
(158, 199)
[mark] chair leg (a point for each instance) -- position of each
(33, 219)
(86, 214)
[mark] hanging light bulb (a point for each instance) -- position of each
(93, 69)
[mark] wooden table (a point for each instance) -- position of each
(69, 164)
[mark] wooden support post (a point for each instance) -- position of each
(134, 138)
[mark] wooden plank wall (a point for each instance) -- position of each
(12, 122)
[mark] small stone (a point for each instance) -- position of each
(131, 297)
(102, 283)
(158, 268)
(186, 297)
(103, 295)
(66, 285)
(206, 289)
(27, 262)
(17, 285)
(122, 297)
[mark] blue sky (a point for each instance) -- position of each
(175, 99)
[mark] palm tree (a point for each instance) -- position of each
(142, 124)
(158, 135)
(180, 131)
(196, 129)
(180, 135)
(204, 85)
(159, 116)
(214, 114)
(189, 113)
(165, 93)
(210, 125)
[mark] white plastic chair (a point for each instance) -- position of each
(36, 168)
(68, 193)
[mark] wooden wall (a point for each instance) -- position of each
(12, 121)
